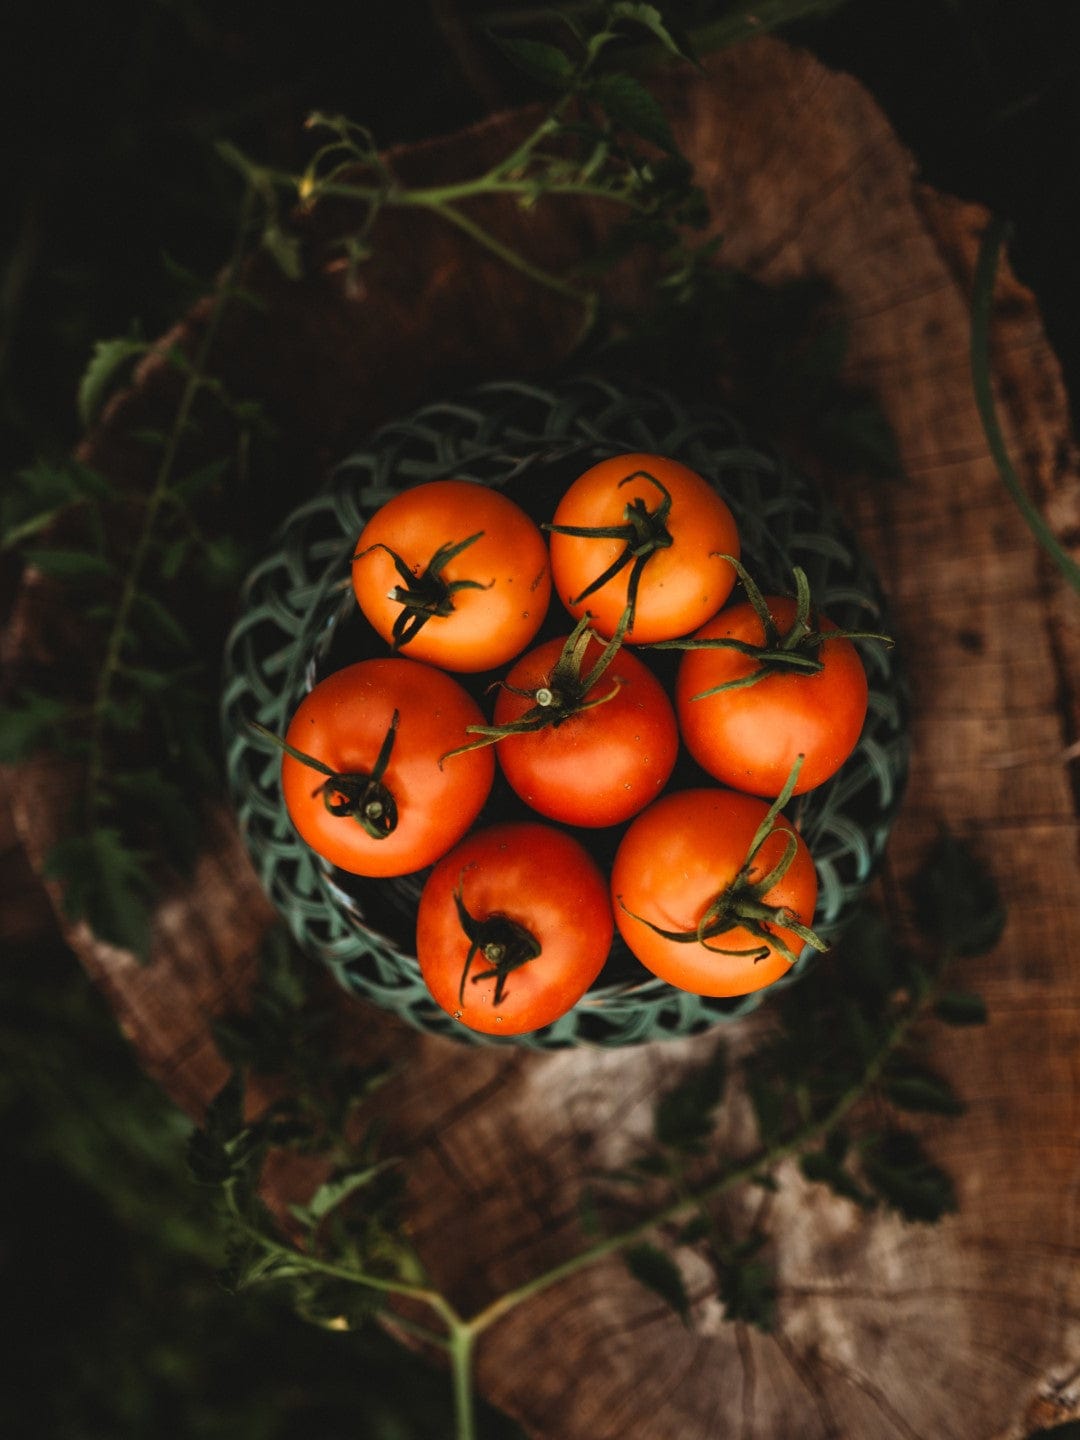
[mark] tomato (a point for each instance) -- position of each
(658, 532)
(605, 746)
(397, 810)
(455, 573)
(748, 737)
(683, 861)
(514, 925)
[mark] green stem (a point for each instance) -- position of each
(763, 1160)
(462, 1340)
(111, 664)
(996, 235)
(587, 299)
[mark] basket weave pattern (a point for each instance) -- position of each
(299, 619)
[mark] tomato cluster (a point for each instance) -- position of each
(389, 762)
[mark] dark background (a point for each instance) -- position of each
(111, 186)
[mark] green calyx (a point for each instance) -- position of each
(565, 691)
(742, 905)
(642, 532)
(354, 794)
(428, 594)
(502, 942)
(789, 652)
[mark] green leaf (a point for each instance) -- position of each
(335, 1192)
(544, 62)
(109, 358)
(286, 251)
(69, 564)
(632, 107)
(656, 1270)
(746, 1285)
(956, 900)
(768, 1103)
(196, 482)
(172, 807)
(820, 1167)
(159, 623)
(28, 725)
(958, 1007)
(223, 561)
(684, 1117)
(106, 883)
(921, 1090)
(675, 42)
(898, 1169)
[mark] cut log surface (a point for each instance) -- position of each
(967, 1330)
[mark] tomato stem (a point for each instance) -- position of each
(424, 595)
(741, 905)
(793, 651)
(564, 693)
(504, 943)
(360, 796)
(642, 532)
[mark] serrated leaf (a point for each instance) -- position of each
(69, 564)
(899, 1170)
(335, 1192)
(105, 883)
(627, 103)
(956, 900)
(544, 62)
(109, 359)
(29, 724)
(958, 1007)
(684, 1117)
(819, 1167)
(746, 1286)
(656, 1270)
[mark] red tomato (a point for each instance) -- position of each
(514, 926)
(685, 854)
(344, 723)
(470, 584)
(749, 737)
(597, 766)
(667, 529)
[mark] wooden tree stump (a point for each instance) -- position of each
(970, 1329)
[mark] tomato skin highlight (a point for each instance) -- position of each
(343, 722)
(681, 586)
(671, 864)
(749, 738)
(487, 627)
(597, 767)
(542, 879)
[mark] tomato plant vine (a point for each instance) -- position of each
(848, 1040)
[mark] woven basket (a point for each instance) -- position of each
(299, 621)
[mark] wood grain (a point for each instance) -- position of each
(966, 1331)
